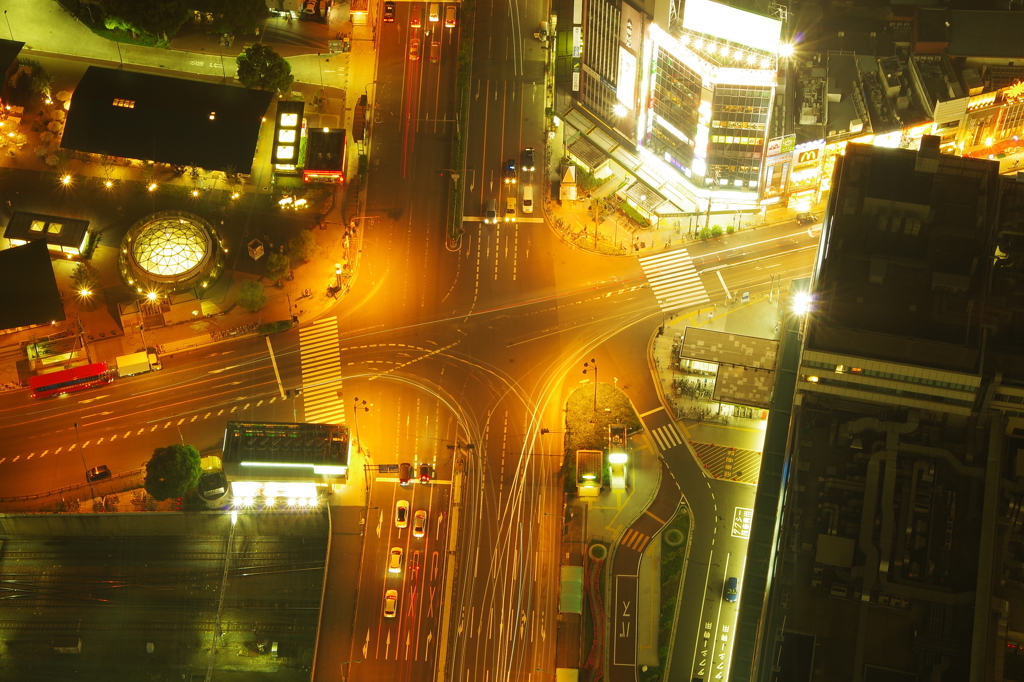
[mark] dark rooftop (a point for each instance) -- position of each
(51, 229)
(9, 50)
(170, 120)
(325, 150)
(907, 254)
(974, 33)
(29, 287)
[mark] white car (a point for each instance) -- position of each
(419, 523)
(390, 603)
(395, 561)
(402, 514)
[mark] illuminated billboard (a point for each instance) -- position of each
(734, 25)
(625, 88)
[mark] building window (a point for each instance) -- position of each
(37, 226)
(125, 103)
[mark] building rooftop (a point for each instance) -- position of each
(906, 260)
(325, 150)
(169, 120)
(29, 287)
(9, 51)
(978, 33)
(56, 230)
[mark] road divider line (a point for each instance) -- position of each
(273, 361)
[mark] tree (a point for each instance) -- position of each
(236, 17)
(158, 18)
(260, 67)
(303, 246)
(84, 278)
(172, 471)
(252, 296)
(278, 267)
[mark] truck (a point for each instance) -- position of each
(137, 363)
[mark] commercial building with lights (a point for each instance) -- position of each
(273, 464)
(683, 113)
(891, 506)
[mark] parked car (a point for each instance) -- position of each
(419, 523)
(732, 590)
(390, 603)
(510, 172)
(389, 11)
(97, 473)
(806, 219)
(402, 514)
(528, 160)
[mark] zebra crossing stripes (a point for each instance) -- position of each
(635, 540)
(667, 436)
(674, 280)
(320, 357)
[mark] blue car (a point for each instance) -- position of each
(732, 590)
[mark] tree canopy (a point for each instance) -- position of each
(234, 17)
(278, 267)
(161, 18)
(252, 296)
(303, 246)
(259, 66)
(172, 471)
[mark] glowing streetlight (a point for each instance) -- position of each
(84, 293)
(151, 295)
(195, 192)
(619, 109)
(802, 303)
(108, 184)
(786, 49)
(152, 187)
(65, 179)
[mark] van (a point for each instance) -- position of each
(435, 12)
(527, 198)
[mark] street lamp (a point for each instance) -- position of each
(592, 367)
(455, 174)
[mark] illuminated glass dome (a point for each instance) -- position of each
(169, 252)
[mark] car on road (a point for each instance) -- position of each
(97, 473)
(402, 514)
(732, 590)
(390, 603)
(395, 560)
(449, 16)
(806, 219)
(414, 49)
(491, 212)
(309, 8)
(435, 12)
(426, 473)
(419, 523)
(528, 160)
(435, 52)
(510, 172)
(510, 210)
(404, 473)
(527, 198)
(416, 16)
(389, 12)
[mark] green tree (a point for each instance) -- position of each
(158, 18)
(303, 246)
(236, 17)
(172, 471)
(252, 296)
(259, 66)
(83, 277)
(716, 231)
(278, 267)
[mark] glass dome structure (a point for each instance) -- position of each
(170, 252)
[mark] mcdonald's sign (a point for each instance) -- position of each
(807, 156)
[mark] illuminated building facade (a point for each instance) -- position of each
(707, 95)
(170, 252)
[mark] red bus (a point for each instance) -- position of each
(69, 380)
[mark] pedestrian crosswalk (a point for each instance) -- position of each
(320, 356)
(667, 436)
(634, 539)
(674, 280)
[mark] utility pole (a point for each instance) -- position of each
(592, 366)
